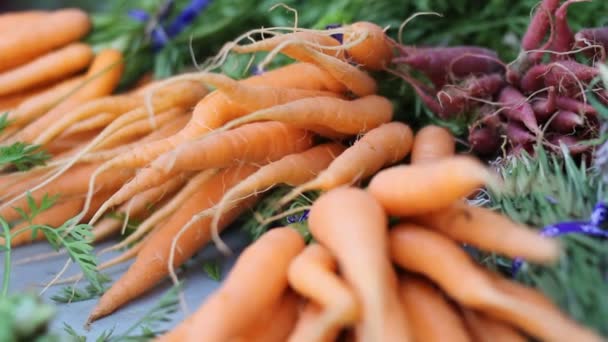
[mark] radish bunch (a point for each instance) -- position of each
(542, 96)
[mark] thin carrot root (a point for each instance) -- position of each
(381, 146)
(309, 320)
(486, 329)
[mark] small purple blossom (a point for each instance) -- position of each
(297, 218)
(337, 36)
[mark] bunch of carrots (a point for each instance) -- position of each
(543, 96)
(363, 280)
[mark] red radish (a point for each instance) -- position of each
(518, 108)
(566, 121)
(564, 38)
(440, 62)
(533, 78)
(518, 135)
(539, 25)
(570, 141)
(456, 99)
(567, 103)
(484, 140)
(593, 36)
(544, 107)
(567, 76)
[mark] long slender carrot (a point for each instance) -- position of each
(232, 307)
(332, 114)
(359, 237)
(406, 190)
(95, 122)
(486, 329)
(59, 28)
(309, 320)
(491, 231)
(152, 263)
(216, 109)
(137, 205)
(256, 142)
(102, 77)
(432, 143)
(416, 249)
(381, 146)
(274, 325)
(431, 316)
(65, 143)
(312, 274)
(46, 69)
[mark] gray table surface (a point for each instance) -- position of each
(197, 286)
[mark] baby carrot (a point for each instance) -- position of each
(309, 319)
(432, 143)
(486, 329)
(359, 237)
(233, 308)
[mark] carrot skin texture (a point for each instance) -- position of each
(58, 29)
(373, 53)
(232, 308)
(139, 278)
(423, 251)
(431, 316)
(46, 69)
(486, 329)
(491, 231)
(360, 236)
(309, 319)
(432, 143)
(407, 190)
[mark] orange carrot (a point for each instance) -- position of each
(66, 143)
(216, 109)
(485, 229)
(59, 28)
(46, 69)
(9, 21)
(312, 274)
(432, 143)
(405, 190)
(431, 316)
(275, 324)
(359, 237)
(486, 329)
(375, 52)
(95, 122)
(381, 146)
(333, 115)
(102, 77)
(309, 319)
(415, 248)
(233, 308)
(256, 142)
(152, 262)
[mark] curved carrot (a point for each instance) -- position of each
(232, 307)
(216, 109)
(375, 52)
(46, 69)
(331, 114)
(406, 190)
(59, 28)
(415, 248)
(275, 324)
(256, 142)
(359, 237)
(102, 77)
(310, 319)
(486, 329)
(381, 146)
(491, 231)
(152, 262)
(9, 20)
(312, 274)
(432, 143)
(431, 316)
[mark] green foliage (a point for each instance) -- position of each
(213, 270)
(544, 189)
(70, 294)
(23, 156)
(24, 317)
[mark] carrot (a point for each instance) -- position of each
(491, 231)
(415, 248)
(116, 105)
(407, 190)
(381, 146)
(58, 29)
(102, 77)
(168, 209)
(65, 143)
(95, 122)
(312, 274)
(155, 259)
(136, 206)
(309, 319)
(358, 238)
(486, 329)
(431, 316)
(275, 324)
(46, 69)
(216, 109)
(432, 143)
(333, 116)
(256, 142)
(232, 308)
(9, 20)
(375, 52)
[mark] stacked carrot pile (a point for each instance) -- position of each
(543, 96)
(366, 281)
